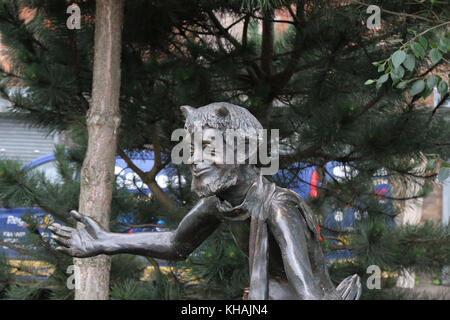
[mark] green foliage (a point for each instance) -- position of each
(16, 292)
(417, 248)
(133, 290)
(5, 276)
(222, 267)
(424, 47)
(137, 290)
(435, 39)
(415, 48)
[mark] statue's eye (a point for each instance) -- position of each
(208, 148)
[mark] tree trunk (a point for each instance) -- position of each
(267, 43)
(103, 119)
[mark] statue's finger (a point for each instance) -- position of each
(62, 241)
(60, 232)
(61, 227)
(77, 216)
(92, 226)
(64, 250)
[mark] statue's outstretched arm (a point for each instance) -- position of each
(289, 229)
(92, 240)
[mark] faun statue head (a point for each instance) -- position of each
(214, 174)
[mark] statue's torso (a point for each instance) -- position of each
(240, 229)
(241, 232)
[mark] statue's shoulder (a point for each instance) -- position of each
(282, 196)
(209, 200)
(287, 196)
(290, 200)
(206, 205)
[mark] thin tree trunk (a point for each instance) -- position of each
(267, 42)
(103, 120)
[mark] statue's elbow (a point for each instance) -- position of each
(182, 251)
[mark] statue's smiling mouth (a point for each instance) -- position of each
(199, 172)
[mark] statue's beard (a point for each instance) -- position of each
(222, 183)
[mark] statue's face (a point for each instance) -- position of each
(212, 175)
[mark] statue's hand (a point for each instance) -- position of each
(81, 243)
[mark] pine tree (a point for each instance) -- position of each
(307, 81)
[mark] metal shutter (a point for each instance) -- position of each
(19, 141)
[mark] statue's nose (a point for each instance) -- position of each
(197, 157)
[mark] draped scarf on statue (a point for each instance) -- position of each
(256, 206)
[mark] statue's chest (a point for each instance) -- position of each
(241, 233)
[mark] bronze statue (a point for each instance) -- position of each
(272, 225)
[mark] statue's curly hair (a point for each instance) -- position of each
(221, 116)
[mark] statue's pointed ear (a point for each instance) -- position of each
(221, 111)
(186, 110)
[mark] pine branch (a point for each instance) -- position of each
(245, 31)
(371, 103)
(443, 100)
(36, 199)
(272, 20)
(437, 241)
(255, 69)
(17, 249)
(400, 14)
(76, 62)
(149, 179)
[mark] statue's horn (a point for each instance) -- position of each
(222, 111)
(186, 110)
